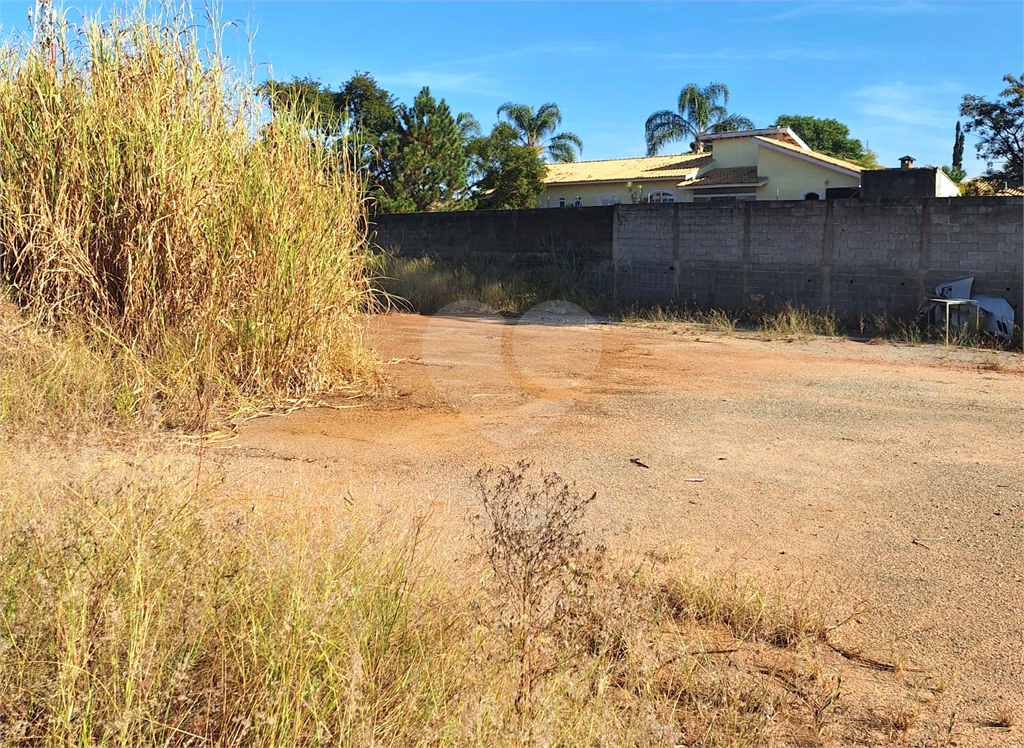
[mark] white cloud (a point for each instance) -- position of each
(475, 74)
(910, 105)
(439, 81)
(829, 53)
(913, 119)
(853, 8)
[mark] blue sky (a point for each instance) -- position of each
(894, 72)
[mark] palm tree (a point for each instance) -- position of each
(700, 113)
(536, 130)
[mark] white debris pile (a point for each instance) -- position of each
(991, 313)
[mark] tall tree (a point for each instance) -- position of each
(828, 136)
(427, 160)
(956, 171)
(958, 148)
(368, 107)
(369, 114)
(701, 111)
(506, 173)
(999, 125)
(536, 129)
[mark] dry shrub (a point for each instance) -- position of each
(148, 204)
(535, 545)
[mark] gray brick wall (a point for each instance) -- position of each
(853, 256)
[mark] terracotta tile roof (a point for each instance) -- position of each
(811, 154)
(680, 166)
(738, 175)
(990, 186)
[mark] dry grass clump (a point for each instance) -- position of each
(884, 327)
(149, 209)
(793, 321)
(922, 330)
(715, 320)
(787, 320)
(745, 610)
(1005, 718)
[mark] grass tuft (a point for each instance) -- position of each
(793, 321)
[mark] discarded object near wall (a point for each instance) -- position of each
(955, 307)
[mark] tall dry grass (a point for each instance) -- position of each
(149, 204)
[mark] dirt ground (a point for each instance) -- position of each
(885, 480)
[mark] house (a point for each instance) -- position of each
(907, 181)
(992, 187)
(768, 164)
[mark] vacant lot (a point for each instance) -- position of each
(884, 480)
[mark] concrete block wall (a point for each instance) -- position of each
(853, 256)
(520, 236)
(575, 242)
(983, 237)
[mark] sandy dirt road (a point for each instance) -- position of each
(889, 479)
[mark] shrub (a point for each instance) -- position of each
(534, 543)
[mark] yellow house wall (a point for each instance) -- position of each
(789, 178)
(733, 152)
(591, 193)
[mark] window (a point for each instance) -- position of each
(812, 196)
(578, 202)
(608, 198)
(661, 197)
(561, 202)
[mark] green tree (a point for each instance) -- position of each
(366, 106)
(701, 111)
(369, 114)
(956, 174)
(426, 159)
(999, 125)
(958, 148)
(305, 97)
(507, 174)
(536, 129)
(829, 136)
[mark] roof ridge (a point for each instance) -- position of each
(629, 158)
(811, 153)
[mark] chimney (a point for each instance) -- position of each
(907, 162)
